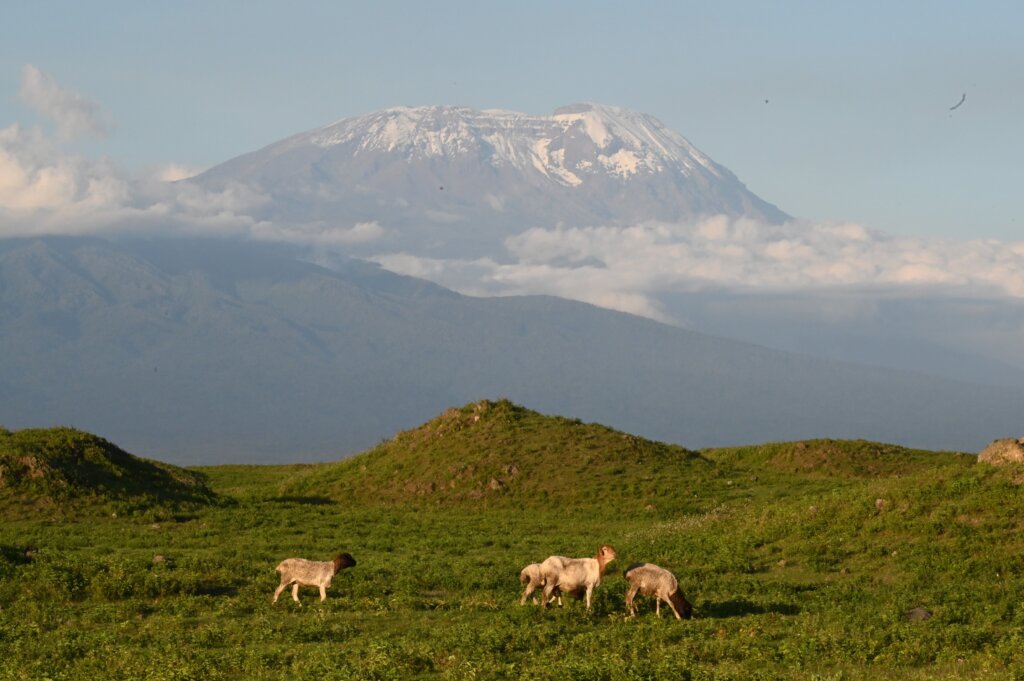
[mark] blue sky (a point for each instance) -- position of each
(857, 125)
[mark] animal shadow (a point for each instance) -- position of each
(740, 608)
(304, 500)
(216, 590)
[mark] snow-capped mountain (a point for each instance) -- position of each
(456, 181)
(576, 142)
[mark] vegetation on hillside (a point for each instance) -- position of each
(832, 459)
(499, 454)
(62, 469)
(807, 560)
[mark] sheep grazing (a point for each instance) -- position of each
(574, 575)
(651, 580)
(533, 577)
(301, 572)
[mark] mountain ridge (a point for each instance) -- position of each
(220, 351)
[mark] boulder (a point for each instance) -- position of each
(1002, 452)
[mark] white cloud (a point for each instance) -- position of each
(626, 268)
(75, 115)
(360, 233)
(36, 178)
(45, 189)
(173, 172)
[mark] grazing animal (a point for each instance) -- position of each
(533, 577)
(651, 580)
(301, 572)
(574, 575)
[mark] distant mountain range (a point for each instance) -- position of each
(215, 351)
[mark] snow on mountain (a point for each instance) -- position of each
(623, 143)
(458, 181)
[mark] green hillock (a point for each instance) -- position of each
(45, 469)
(835, 459)
(491, 453)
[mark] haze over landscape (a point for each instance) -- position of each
(302, 292)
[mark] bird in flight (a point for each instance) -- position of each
(957, 105)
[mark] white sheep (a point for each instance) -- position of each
(301, 572)
(533, 577)
(574, 575)
(651, 580)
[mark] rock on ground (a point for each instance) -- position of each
(1000, 452)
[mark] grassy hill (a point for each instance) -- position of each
(60, 469)
(496, 453)
(832, 459)
(804, 560)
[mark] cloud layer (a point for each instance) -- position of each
(45, 190)
(626, 267)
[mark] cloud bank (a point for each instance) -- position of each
(625, 267)
(46, 190)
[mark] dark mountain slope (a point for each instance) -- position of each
(214, 351)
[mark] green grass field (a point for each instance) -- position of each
(802, 559)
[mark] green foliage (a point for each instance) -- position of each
(802, 561)
(839, 458)
(47, 470)
(498, 454)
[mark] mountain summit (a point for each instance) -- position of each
(578, 143)
(457, 181)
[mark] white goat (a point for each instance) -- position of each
(651, 580)
(533, 577)
(574, 575)
(301, 572)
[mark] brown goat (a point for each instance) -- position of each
(651, 580)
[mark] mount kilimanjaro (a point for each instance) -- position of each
(486, 202)
(454, 181)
